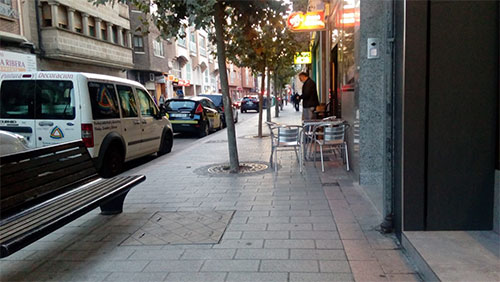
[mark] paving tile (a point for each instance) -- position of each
(209, 254)
(334, 266)
(403, 277)
(269, 219)
(289, 244)
(393, 261)
(232, 235)
(156, 254)
(262, 254)
(196, 277)
(120, 266)
(174, 266)
(358, 250)
(239, 244)
(256, 277)
(289, 266)
(289, 226)
(318, 254)
(320, 277)
(133, 277)
(247, 227)
(325, 226)
(350, 231)
(231, 265)
(265, 235)
(367, 271)
(323, 235)
(329, 244)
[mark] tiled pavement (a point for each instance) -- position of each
(287, 226)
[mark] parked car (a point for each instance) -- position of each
(116, 118)
(249, 103)
(11, 143)
(194, 115)
(217, 99)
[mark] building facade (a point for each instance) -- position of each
(77, 36)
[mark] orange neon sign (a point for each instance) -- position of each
(310, 21)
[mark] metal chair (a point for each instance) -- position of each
(285, 138)
(332, 136)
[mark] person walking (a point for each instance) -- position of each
(309, 96)
(296, 101)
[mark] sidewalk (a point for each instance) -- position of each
(285, 226)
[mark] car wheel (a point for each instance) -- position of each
(113, 161)
(221, 124)
(204, 130)
(167, 142)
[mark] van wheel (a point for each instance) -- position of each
(204, 130)
(167, 142)
(113, 161)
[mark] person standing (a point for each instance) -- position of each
(296, 101)
(309, 96)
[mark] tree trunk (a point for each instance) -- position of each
(234, 163)
(268, 103)
(277, 94)
(261, 100)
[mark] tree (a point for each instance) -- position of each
(170, 16)
(253, 44)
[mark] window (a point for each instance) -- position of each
(54, 99)
(125, 38)
(148, 107)
(192, 42)
(138, 44)
(203, 48)
(158, 47)
(46, 14)
(127, 101)
(189, 71)
(78, 22)
(182, 41)
(175, 105)
(62, 16)
(92, 27)
(205, 74)
(17, 99)
(104, 32)
(114, 37)
(103, 101)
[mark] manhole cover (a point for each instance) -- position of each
(216, 141)
(174, 228)
(244, 168)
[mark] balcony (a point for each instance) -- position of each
(65, 45)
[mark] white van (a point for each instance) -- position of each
(116, 118)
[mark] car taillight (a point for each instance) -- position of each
(222, 108)
(199, 110)
(88, 135)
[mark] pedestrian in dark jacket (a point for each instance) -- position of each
(309, 96)
(296, 101)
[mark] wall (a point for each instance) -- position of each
(11, 24)
(496, 199)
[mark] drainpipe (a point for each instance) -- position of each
(38, 29)
(387, 225)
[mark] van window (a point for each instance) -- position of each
(127, 101)
(103, 100)
(147, 105)
(17, 99)
(37, 99)
(55, 99)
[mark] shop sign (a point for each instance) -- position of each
(302, 58)
(184, 82)
(348, 18)
(17, 62)
(310, 21)
(171, 77)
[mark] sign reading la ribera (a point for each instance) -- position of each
(17, 62)
(310, 21)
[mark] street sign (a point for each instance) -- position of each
(302, 58)
(310, 21)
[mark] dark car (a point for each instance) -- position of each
(217, 99)
(249, 103)
(193, 115)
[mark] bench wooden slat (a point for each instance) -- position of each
(56, 165)
(51, 176)
(63, 204)
(16, 157)
(23, 165)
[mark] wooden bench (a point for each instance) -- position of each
(43, 189)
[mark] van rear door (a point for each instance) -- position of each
(56, 117)
(17, 106)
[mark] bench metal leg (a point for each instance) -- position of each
(114, 206)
